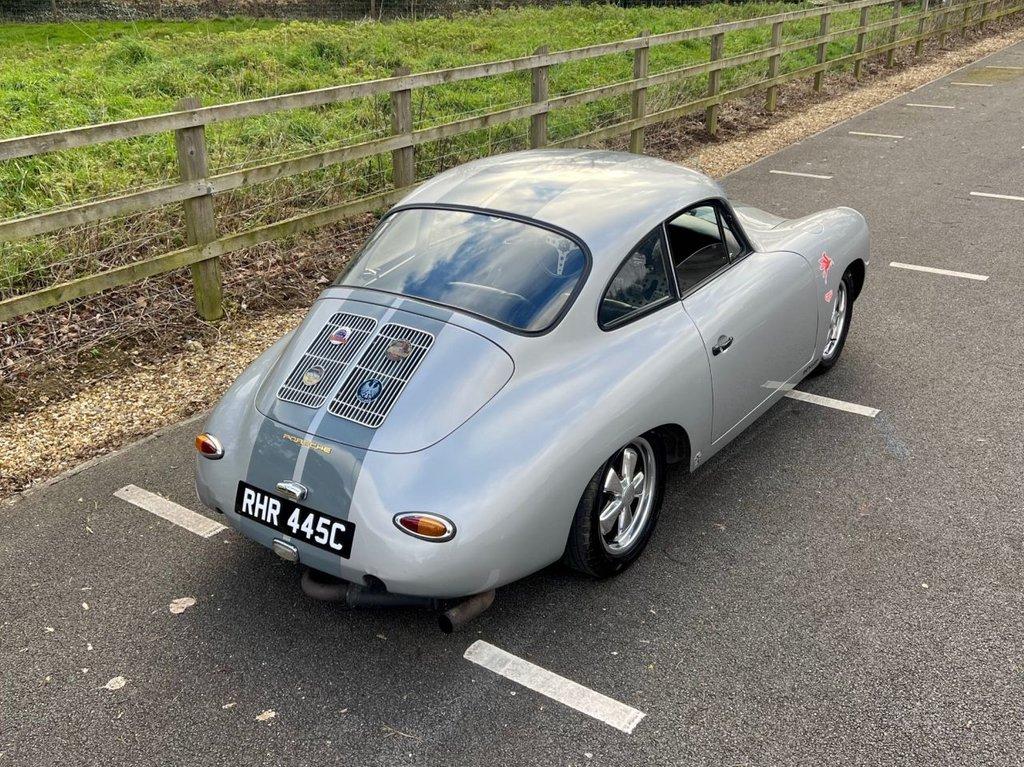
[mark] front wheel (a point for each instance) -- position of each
(619, 509)
(839, 325)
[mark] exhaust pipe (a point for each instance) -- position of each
(327, 588)
(456, 617)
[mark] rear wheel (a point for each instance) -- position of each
(839, 325)
(618, 510)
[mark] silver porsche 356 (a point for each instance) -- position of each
(500, 377)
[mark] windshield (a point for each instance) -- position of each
(514, 273)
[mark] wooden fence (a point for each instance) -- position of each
(197, 189)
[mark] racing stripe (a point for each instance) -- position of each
(330, 477)
(300, 453)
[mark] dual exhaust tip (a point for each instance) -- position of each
(450, 619)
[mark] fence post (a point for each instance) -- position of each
(858, 62)
(403, 161)
(773, 68)
(919, 44)
(967, 18)
(984, 13)
(638, 98)
(714, 78)
(890, 55)
(943, 21)
(373, 10)
(539, 94)
(826, 23)
(200, 223)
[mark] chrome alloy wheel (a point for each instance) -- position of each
(628, 491)
(838, 322)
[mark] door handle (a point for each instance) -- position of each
(724, 342)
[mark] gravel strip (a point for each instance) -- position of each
(111, 413)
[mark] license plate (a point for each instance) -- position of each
(307, 525)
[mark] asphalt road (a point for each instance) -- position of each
(832, 589)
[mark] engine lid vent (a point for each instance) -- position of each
(324, 362)
(379, 377)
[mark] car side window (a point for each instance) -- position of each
(696, 245)
(731, 240)
(641, 281)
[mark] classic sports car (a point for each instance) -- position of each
(500, 377)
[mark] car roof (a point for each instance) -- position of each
(605, 198)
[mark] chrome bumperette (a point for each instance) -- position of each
(331, 358)
(388, 375)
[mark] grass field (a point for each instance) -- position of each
(56, 76)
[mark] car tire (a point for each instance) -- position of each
(603, 542)
(843, 313)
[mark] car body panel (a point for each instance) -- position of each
(422, 415)
(500, 431)
(766, 303)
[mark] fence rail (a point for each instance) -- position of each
(197, 188)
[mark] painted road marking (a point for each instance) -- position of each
(998, 196)
(794, 173)
(874, 135)
(835, 404)
(975, 85)
(202, 526)
(1001, 66)
(565, 691)
(933, 270)
(932, 106)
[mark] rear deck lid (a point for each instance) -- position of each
(385, 374)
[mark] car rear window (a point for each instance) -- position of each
(511, 272)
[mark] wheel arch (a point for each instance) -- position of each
(675, 441)
(857, 271)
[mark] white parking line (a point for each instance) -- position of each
(874, 135)
(835, 404)
(932, 106)
(998, 196)
(975, 85)
(565, 691)
(169, 510)
(794, 173)
(1001, 66)
(933, 270)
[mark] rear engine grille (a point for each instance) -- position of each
(325, 360)
(377, 380)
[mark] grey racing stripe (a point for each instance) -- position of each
(329, 477)
(322, 413)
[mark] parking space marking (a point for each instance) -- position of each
(975, 85)
(565, 691)
(202, 526)
(933, 270)
(998, 196)
(1001, 66)
(874, 135)
(835, 404)
(932, 106)
(795, 173)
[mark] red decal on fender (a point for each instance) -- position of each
(824, 263)
(828, 297)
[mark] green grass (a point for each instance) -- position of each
(55, 76)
